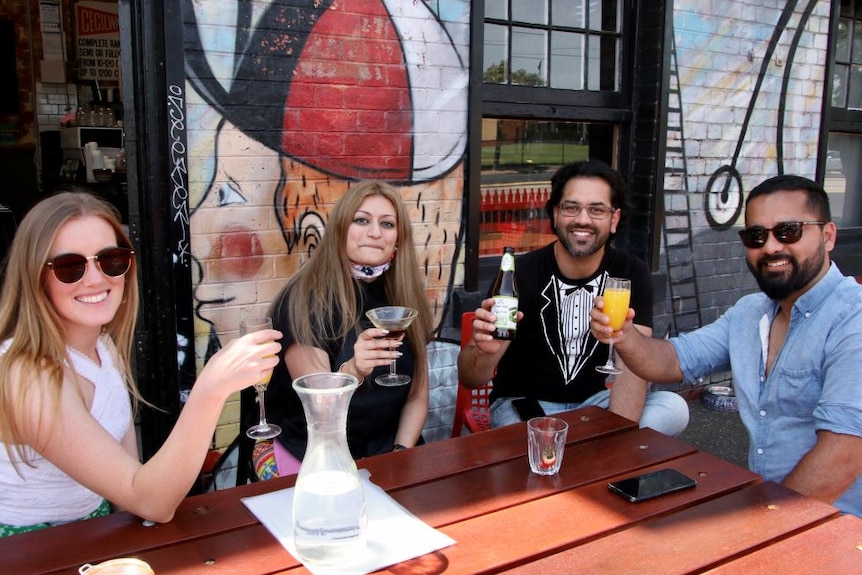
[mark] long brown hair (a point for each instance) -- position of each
(30, 323)
(320, 298)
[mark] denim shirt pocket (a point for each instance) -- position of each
(798, 392)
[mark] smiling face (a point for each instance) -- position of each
(787, 270)
(373, 233)
(581, 235)
(91, 302)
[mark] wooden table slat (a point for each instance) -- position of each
(834, 547)
(725, 527)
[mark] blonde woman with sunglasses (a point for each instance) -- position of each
(67, 317)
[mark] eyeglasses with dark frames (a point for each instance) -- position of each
(595, 211)
(785, 232)
(112, 262)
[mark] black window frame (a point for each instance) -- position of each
(848, 250)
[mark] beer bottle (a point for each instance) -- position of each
(505, 294)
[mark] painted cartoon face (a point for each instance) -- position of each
(373, 235)
(785, 270)
(91, 302)
(583, 235)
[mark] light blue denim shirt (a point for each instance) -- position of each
(815, 383)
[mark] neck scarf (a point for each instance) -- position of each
(363, 272)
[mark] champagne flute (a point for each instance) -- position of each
(396, 319)
(262, 430)
(616, 295)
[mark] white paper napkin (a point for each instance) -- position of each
(394, 534)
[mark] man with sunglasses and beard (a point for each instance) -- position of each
(550, 365)
(793, 349)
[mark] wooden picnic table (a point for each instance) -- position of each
(478, 489)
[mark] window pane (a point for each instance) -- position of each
(568, 13)
(842, 41)
(604, 15)
(497, 9)
(839, 86)
(843, 184)
(857, 42)
(494, 58)
(518, 159)
(567, 60)
(532, 11)
(854, 93)
(529, 57)
(593, 64)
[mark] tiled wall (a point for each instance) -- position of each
(53, 102)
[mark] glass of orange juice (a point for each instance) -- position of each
(617, 296)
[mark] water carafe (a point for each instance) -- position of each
(329, 517)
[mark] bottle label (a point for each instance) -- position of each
(506, 310)
(507, 263)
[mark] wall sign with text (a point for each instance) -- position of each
(97, 41)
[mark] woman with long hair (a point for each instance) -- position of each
(366, 259)
(67, 317)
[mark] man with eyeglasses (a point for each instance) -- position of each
(794, 349)
(550, 365)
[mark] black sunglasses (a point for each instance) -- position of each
(785, 232)
(113, 262)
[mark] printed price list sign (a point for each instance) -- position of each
(97, 41)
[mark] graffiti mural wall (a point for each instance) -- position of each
(744, 104)
(291, 101)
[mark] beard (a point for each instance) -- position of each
(780, 286)
(581, 249)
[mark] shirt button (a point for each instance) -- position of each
(808, 314)
(763, 413)
(759, 452)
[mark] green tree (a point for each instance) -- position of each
(497, 74)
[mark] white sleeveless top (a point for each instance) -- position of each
(43, 493)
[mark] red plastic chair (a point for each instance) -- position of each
(472, 405)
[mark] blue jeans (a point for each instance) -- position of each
(664, 411)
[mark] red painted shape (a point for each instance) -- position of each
(238, 255)
(359, 55)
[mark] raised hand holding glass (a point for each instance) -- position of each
(617, 296)
(396, 319)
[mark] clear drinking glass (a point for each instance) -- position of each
(617, 296)
(546, 444)
(396, 319)
(262, 430)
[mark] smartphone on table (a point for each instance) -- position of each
(650, 485)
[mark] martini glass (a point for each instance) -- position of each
(396, 319)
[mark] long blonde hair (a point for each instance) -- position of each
(30, 323)
(320, 298)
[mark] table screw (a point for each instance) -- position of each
(702, 474)
(644, 446)
(772, 507)
(148, 523)
(209, 561)
(584, 418)
(202, 510)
